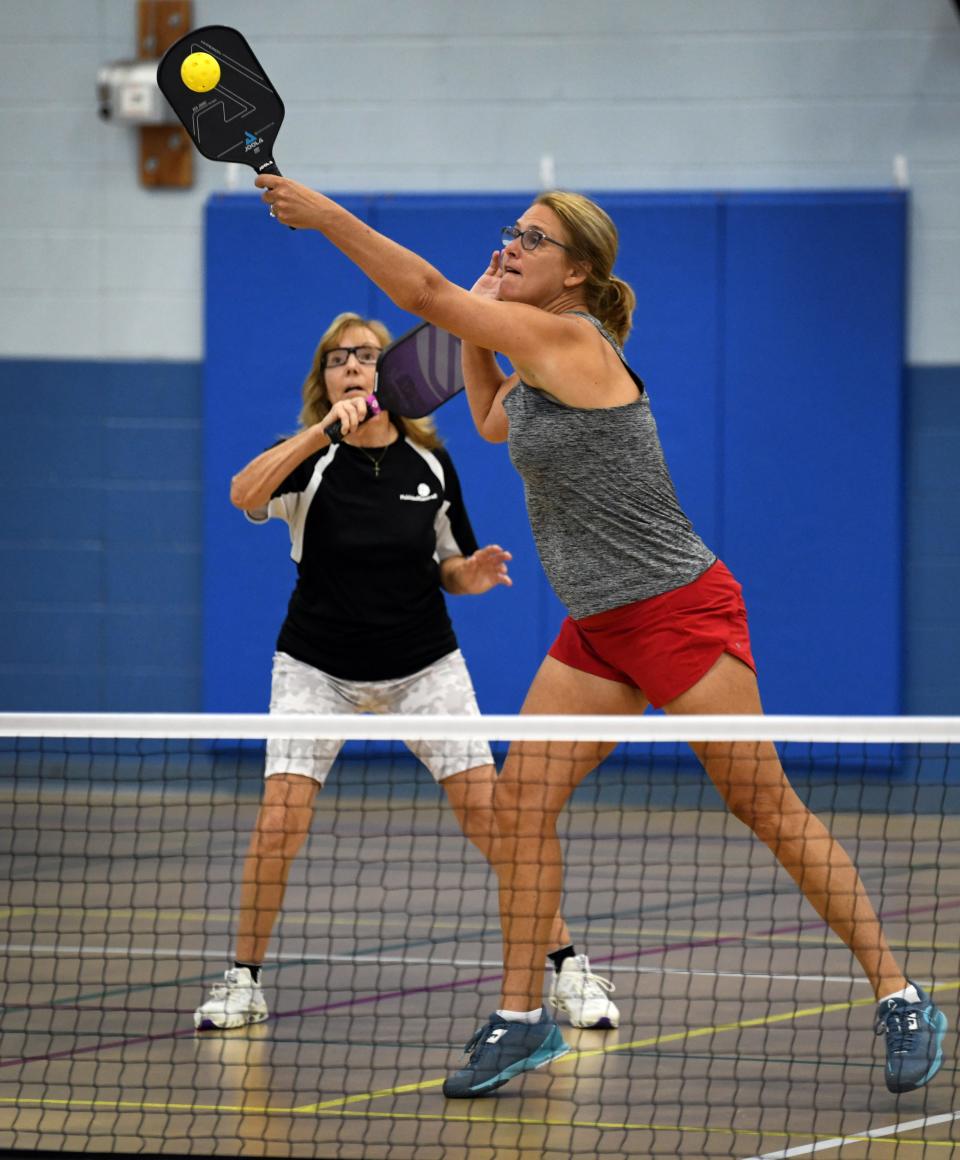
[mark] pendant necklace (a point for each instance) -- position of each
(375, 461)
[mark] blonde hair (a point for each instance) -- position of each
(594, 241)
(316, 402)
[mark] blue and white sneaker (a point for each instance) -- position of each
(502, 1050)
(914, 1033)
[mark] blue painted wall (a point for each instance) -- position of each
(100, 536)
(100, 557)
(932, 550)
(769, 330)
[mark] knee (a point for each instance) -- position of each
(280, 832)
(773, 815)
(523, 810)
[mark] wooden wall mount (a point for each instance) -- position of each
(166, 151)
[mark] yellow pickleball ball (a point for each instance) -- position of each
(200, 72)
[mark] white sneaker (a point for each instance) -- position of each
(235, 1002)
(583, 995)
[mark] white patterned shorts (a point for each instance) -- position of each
(441, 688)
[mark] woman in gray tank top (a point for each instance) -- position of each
(622, 556)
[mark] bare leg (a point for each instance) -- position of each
(282, 825)
(752, 782)
(537, 780)
(470, 794)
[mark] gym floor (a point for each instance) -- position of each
(746, 1028)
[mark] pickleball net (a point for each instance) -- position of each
(745, 1025)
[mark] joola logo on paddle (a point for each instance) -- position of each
(251, 141)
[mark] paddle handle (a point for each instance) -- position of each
(272, 167)
(334, 432)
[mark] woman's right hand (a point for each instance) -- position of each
(350, 413)
(488, 284)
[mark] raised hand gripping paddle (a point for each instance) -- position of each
(416, 373)
(223, 97)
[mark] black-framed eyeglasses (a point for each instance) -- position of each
(530, 238)
(339, 356)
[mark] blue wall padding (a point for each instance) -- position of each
(813, 334)
(100, 550)
(769, 332)
(932, 581)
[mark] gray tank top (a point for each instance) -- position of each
(605, 517)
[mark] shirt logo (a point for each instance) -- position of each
(423, 494)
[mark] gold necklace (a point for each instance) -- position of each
(376, 462)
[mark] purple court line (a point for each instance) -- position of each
(383, 996)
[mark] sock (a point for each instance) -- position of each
(521, 1016)
(253, 968)
(558, 957)
(909, 992)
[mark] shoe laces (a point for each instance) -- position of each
(900, 1022)
(476, 1041)
(590, 985)
(221, 990)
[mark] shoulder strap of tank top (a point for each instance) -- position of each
(613, 342)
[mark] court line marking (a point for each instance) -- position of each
(338, 1106)
(653, 1041)
(871, 1134)
(792, 934)
(380, 996)
(280, 958)
(464, 1117)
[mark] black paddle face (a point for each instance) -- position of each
(419, 371)
(237, 120)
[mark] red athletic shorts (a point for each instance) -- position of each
(663, 645)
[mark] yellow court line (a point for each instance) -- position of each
(444, 1117)
(340, 1104)
(653, 1041)
(135, 1105)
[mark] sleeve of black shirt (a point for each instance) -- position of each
(460, 524)
(298, 479)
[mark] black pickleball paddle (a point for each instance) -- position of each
(239, 118)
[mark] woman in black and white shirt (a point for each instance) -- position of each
(378, 530)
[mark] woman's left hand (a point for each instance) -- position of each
(476, 574)
(488, 284)
(290, 202)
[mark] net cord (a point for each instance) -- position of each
(389, 727)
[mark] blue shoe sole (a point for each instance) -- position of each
(934, 1067)
(553, 1047)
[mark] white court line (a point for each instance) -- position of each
(859, 1137)
(406, 960)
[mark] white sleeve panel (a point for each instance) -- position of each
(292, 506)
(447, 545)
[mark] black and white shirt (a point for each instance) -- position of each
(368, 541)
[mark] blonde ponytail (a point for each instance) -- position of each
(594, 241)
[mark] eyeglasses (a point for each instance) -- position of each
(529, 238)
(339, 356)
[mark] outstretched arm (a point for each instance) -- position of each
(520, 331)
